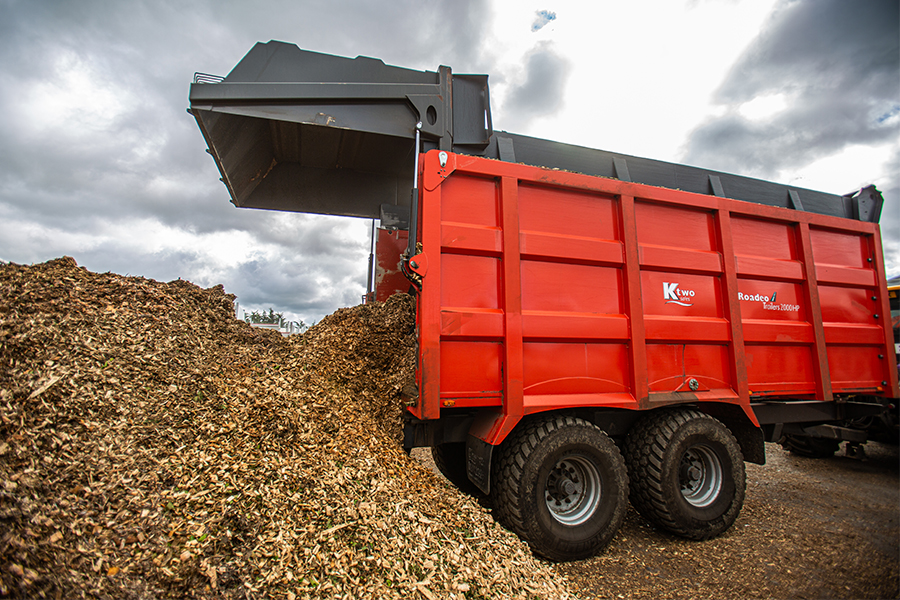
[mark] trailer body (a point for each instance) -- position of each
(547, 290)
(592, 328)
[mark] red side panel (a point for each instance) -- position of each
(389, 279)
(545, 290)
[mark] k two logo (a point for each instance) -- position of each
(672, 294)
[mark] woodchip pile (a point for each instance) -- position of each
(153, 446)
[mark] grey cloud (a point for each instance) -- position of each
(303, 286)
(837, 62)
(823, 44)
(146, 160)
(541, 89)
(409, 33)
(890, 220)
(296, 286)
(838, 65)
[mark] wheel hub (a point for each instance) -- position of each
(700, 476)
(572, 492)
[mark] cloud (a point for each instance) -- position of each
(890, 216)
(833, 69)
(820, 81)
(99, 160)
(542, 86)
(542, 17)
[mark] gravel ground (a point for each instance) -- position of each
(810, 528)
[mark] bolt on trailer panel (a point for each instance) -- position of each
(543, 289)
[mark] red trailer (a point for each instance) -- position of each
(635, 330)
(557, 310)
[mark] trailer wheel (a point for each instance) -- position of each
(450, 460)
(810, 447)
(687, 473)
(561, 484)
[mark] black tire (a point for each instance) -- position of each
(450, 460)
(561, 484)
(687, 473)
(810, 447)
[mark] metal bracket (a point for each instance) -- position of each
(478, 463)
(621, 169)
(715, 184)
(505, 148)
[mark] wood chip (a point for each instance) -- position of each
(152, 436)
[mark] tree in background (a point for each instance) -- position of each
(271, 317)
(275, 318)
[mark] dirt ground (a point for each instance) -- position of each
(810, 528)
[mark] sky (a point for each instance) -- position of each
(99, 159)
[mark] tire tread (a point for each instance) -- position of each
(645, 449)
(509, 469)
